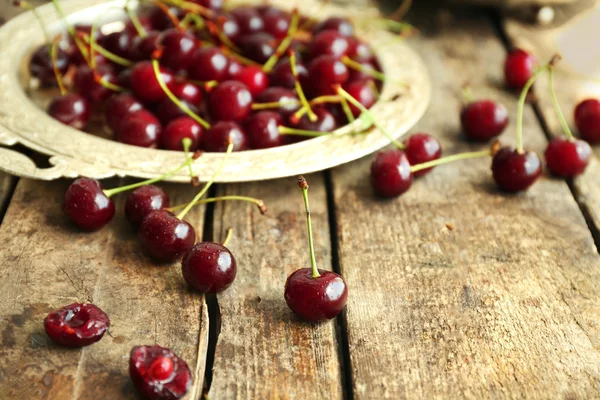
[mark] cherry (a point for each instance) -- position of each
(209, 64)
(166, 237)
(362, 72)
(324, 72)
(230, 101)
(263, 130)
(187, 91)
(158, 373)
(567, 157)
(209, 267)
(76, 325)
(124, 79)
(276, 23)
(143, 47)
(258, 47)
(363, 92)
(282, 74)
(87, 206)
(328, 43)
(87, 85)
(40, 65)
(390, 173)
(144, 82)
(140, 129)
(325, 122)
(421, 148)
(70, 109)
(286, 97)
(313, 294)
(483, 119)
(220, 134)
(234, 69)
(248, 19)
(339, 25)
(518, 68)
(119, 107)
(144, 20)
(160, 20)
(226, 25)
(515, 171)
(177, 49)
(359, 50)
(142, 201)
(177, 130)
(254, 78)
(119, 43)
(215, 5)
(167, 111)
(587, 119)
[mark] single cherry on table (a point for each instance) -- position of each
(209, 267)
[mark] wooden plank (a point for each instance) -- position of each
(46, 263)
(7, 183)
(263, 351)
(504, 304)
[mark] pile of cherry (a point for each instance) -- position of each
(211, 75)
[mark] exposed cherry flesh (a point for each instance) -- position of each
(421, 148)
(567, 158)
(165, 237)
(220, 134)
(76, 325)
(142, 201)
(518, 68)
(515, 172)
(71, 109)
(230, 101)
(87, 206)
(209, 267)
(390, 173)
(158, 373)
(587, 119)
(483, 119)
(177, 130)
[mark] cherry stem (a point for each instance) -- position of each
(369, 115)
(467, 95)
(259, 203)
(139, 28)
(214, 29)
(109, 85)
(311, 115)
(208, 185)
(57, 74)
(401, 11)
(313, 261)
(284, 44)
(29, 7)
(227, 237)
(559, 113)
(361, 68)
(71, 30)
(243, 60)
(169, 14)
(112, 192)
(111, 56)
(284, 130)
(521, 106)
(347, 110)
(174, 98)
(187, 143)
(192, 7)
(273, 104)
(449, 159)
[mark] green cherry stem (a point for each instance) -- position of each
(467, 95)
(57, 74)
(358, 67)
(187, 143)
(559, 113)
(305, 104)
(313, 261)
(449, 159)
(174, 98)
(94, 47)
(521, 106)
(201, 193)
(71, 30)
(284, 130)
(347, 110)
(227, 237)
(284, 44)
(139, 28)
(259, 203)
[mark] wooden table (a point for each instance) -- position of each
(455, 290)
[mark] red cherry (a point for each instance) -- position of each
(187, 91)
(87, 85)
(145, 85)
(282, 74)
(234, 69)
(248, 19)
(160, 20)
(315, 299)
(325, 122)
(567, 158)
(483, 119)
(262, 129)
(587, 119)
(362, 73)
(177, 49)
(209, 64)
(359, 51)
(230, 101)
(514, 171)
(339, 25)
(363, 92)
(119, 107)
(177, 130)
(258, 47)
(323, 73)
(220, 134)
(87, 206)
(142, 201)
(140, 129)
(215, 5)
(167, 111)
(286, 97)
(390, 173)
(328, 43)
(276, 23)
(76, 325)
(143, 47)
(119, 43)
(40, 65)
(421, 148)
(254, 78)
(228, 26)
(165, 237)
(209, 267)
(518, 68)
(124, 79)
(70, 109)
(158, 373)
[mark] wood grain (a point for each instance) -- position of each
(46, 264)
(263, 351)
(457, 290)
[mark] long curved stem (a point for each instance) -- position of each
(259, 203)
(305, 104)
(227, 237)
(521, 106)
(559, 113)
(57, 74)
(449, 159)
(313, 261)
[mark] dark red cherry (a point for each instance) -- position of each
(209, 64)
(119, 43)
(40, 65)
(363, 73)
(567, 157)
(215, 5)
(165, 237)
(160, 20)
(177, 49)
(276, 23)
(248, 19)
(287, 98)
(177, 130)
(230, 101)
(421, 148)
(70, 109)
(315, 299)
(167, 111)
(158, 373)
(390, 173)
(514, 171)
(364, 92)
(518, 68)
(87, 85)
(209, 267)
(144, 20)
(124, 79)
(143, 47)
(325, 122)
(324, 72)
(258, 47)
(483, 119)
(254, 78)
(328, 43)
(76, 325)
(263, 130)
(119, 107)
(234, 69)
(337, 24)
(144, 84)
(228, 26)
(87, 206)
(220, 134)
(359, 51)
(142, 201)
(587, 119)
(282, 74)
(140, 129)
(187, 91)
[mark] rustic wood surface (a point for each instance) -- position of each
(455, 290)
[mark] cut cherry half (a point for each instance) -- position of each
(76, 325)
